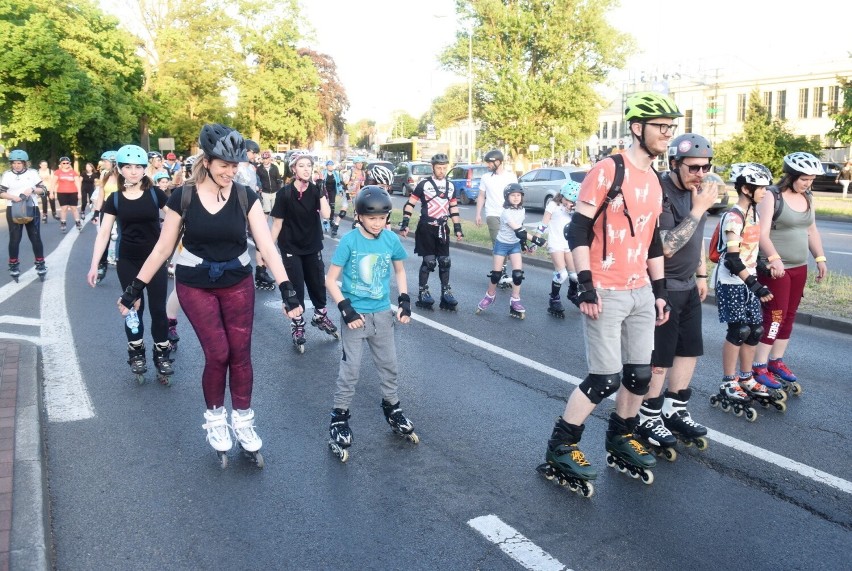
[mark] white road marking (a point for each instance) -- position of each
(65, 395)
(28, 338)
(838, 252)
(514, 544)
(18, 320)
(721, 438)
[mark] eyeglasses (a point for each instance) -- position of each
(64, 163)
(491, 161)
(693, 169)
(664, 127)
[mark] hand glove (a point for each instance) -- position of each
(404, 303)
(660, 292)
(347, 312)
(585, 289)
(288, 296)
(457, 229)
(404, 224)
(132, 293)
(756, 287)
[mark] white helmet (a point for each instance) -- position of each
(753, 173)
(803, 163)
(381, 174)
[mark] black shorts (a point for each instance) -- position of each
(67, 198)
(680, 336)
(428, 242)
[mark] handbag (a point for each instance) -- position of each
(23, 211)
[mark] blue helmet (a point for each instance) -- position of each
(19, 155)
(570, 190)
(131, 155)
(160, 176)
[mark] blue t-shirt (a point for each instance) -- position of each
(367, 267)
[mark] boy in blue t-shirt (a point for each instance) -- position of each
(362, 262)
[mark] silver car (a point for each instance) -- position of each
(540, 185)
(407, 175)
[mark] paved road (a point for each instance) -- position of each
(133, 485)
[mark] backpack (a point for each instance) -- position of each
(716, 246)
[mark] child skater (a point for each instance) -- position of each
(557, 215)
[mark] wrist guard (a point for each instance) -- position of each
(756, 287)
(288, 296)
(538, 240)
(660, 292)
(347, 312)
(521, 234)
(132, 293)
(457, 229)
(404, 303)
(404, 224)
(585, 290)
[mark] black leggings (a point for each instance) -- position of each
(45, 201)
(156, 292)
(16, 231)
(307, 270)
(86, 198)
(332, 196)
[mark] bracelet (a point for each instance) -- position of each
(701, 276)
(773, 257)
(819, 259)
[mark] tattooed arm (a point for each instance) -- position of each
(677, 237)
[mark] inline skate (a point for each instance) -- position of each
(262, 280)
(14, 269)
(653, 432)
(516, 310)
(424, 298)
(242, 424)
(732, 398)
(163, 364)
(565, 462)
(678, 420)
(63, 226)
(297, 330)
(789, 381)
(102, 270)
(505, 281)
(398, 422)
(334, 228)
(44, 218)
(40, 268)
(173, 335)
(764, 396)
(136, 360)
(485, 303)
(573, 290)
(555, 307)
(624, 452)
(79, 225)
(321, 321)
(218, 433)
(340, 434)
(448, 300)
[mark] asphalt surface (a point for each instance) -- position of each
(136, 486)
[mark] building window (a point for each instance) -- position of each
(742, 105)
(614, 129)
(819, 101)
(833, 99)
(767, 102)
(781, 109)
(605, 134)
(687, 121)
(803, 103)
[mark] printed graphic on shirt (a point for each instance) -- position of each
(371, 270)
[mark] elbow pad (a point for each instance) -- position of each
(733, 262)
(521, 234)
(579, 231)
(655, 248)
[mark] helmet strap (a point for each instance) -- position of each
(642, 142)
(679, 179)
(367, 230)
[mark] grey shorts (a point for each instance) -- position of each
(493, 223)
(623, 333)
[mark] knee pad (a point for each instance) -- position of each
(737, 333)
(755, 335)
(560, 276)
(637, 379)
(444, 262)
(598, 387)
(517, 277)
(495, 276)
(429, 263)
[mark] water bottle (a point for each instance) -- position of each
(132, 321)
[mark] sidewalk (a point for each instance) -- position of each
(23, 502)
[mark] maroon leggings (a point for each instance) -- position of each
(223, 320)
(780, 313)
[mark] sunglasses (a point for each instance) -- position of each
(64, 163)
(693, 169)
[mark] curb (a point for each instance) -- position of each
(29, 541)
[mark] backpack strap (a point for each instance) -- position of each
(779, 202)
(614, 191)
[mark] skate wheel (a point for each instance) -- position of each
(477, 311)
(140, 379)
(165, 380)
(725, 406)
(738, 411)
(781, 406)
(546, 471)
(336, 336)
(701, 443)
(670, 454)
(587, 489)
(687, 443)
(779, 395)
(751, 414)
(413, 438)
(258, 459)
(300, 349)
(647, 477)
(633, 473)
(796, 389)
(223, 459)
(714, 402)
(610, 461)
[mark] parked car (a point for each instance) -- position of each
(825, 182)
(540, 185)
(408, 174)
(465, 178)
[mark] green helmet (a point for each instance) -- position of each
(650, 105)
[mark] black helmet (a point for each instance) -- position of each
(493, 155)
(154, 155)
(252, 146)
(440, 159)
(373, 199)
(221, 142)
(511, 188)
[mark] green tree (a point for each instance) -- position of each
(333, 101)
(361, 133)
(404, 125)
(842, 130)
(449, 108)
(534, 74)
(763, 140)
(68, 78)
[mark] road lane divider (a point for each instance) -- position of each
(514, 544)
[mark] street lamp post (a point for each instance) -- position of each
(470, 92)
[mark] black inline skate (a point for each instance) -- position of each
(424, 298)
(262, 280)
(340, 434)
(102, 270)
(763, 395)
(79, 225)
(163, 364)
(63, 226)
(624, 452)
(321, 321)
(334, 228)
(732, 398)
(173, 335)
(136, 360)
(653, 432)
(297, 330)
(40, 268)
(14, 269)
(398, 422)
(565, 462)
(678, 420)
(573, 291)
(448, 300)
(555, 307)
